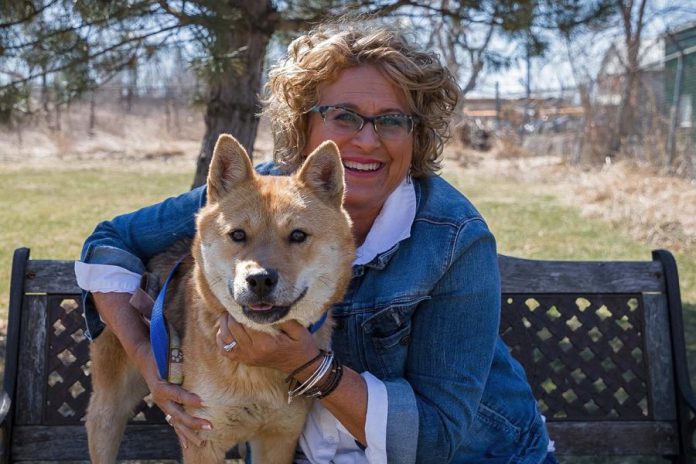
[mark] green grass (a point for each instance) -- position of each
(52, 211)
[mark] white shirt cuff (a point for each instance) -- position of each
(105, 278)
(376, 420)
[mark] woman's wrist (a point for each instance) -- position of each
(317, 378)
(304, 371)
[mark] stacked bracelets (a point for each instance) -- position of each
(321, 383)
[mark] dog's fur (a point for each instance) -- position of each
(243, 403)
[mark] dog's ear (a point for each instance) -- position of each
(322, 171)
(230, 166)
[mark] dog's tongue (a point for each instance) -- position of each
(260, 307)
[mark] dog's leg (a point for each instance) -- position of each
(209, 453)
(273, 447)
(117, 387)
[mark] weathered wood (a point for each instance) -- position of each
(70, 443)
(530, 276)
(67, 443)
(31, 376)
(605, 438)
(50, 277)
(658, 356)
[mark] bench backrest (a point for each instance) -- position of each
(597, 341)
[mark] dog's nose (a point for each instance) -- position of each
(262, 282)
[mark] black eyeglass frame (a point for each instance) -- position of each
(323, 109)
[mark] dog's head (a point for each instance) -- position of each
(273, 248)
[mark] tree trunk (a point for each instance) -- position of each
(233, 103)
(626, 113)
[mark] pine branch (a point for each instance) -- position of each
(28, 18)
(89, 57)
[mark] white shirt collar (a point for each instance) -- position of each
(392, 225)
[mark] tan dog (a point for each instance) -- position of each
(267, 249)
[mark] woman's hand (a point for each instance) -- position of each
(286, 351)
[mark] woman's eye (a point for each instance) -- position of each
(392, 121)
(346, 118)
(297, 236)
(238, 235)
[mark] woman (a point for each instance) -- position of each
(426, 376)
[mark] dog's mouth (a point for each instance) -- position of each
(267, 313)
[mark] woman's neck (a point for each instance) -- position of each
(362, 222)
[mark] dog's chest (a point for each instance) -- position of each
(242, 405)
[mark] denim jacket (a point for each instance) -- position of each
(423, 317)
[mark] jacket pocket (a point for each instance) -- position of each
(388, 335)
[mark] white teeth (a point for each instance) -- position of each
(361, 166)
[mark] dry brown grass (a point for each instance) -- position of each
(654, 208)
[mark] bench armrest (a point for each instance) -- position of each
(687, 397)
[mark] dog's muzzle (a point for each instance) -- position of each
(268, 312)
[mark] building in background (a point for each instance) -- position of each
(680, 46)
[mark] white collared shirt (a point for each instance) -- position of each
(324, 440)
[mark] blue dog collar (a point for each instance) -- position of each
(159, 335)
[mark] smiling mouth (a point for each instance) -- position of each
(362, 167)
(267, 313)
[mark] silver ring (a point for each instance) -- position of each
(230, 346)
(168, 418)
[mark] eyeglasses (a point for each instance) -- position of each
(343, 121)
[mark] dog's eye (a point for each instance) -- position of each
(238, 235)
(297, 236)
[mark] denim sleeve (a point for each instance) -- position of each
(453, 338)
(129, 240)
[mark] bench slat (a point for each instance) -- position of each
(47, 276)
(69, 443)
(659, 357)
(530, 276)
(603, 438)
(32, 361)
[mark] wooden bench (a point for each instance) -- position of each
(602, 344)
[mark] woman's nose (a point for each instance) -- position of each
(367, 137)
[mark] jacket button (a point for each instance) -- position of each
(405, 340)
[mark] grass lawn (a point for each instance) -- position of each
(52, 209)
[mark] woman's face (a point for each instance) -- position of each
(374, 165)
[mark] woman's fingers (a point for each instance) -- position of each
(294, 329)
(172, 400)
(185, 425)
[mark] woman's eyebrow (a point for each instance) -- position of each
(353, 107)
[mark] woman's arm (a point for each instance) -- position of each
(127, 242)
(288, 350)
(452, 343)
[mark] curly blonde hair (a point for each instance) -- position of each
(320, 55)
